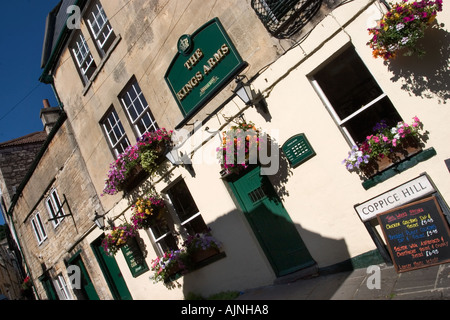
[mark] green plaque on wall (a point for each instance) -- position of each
(135, 258)
(297, 150)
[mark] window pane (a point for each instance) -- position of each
(196, 225)
(101, 28)
(115, 133)
(347, 83)
(159, 229)
(124, 143)
(138, 110)
(186, 209)
(36, 231)
(163, 236)
(60, 211)
(354, 97)
(40, 226)
(51, 210)
(168, 243)
(362, 124)
(182, 201)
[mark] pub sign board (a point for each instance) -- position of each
(416, 234)
(410, 191)
(206, 62)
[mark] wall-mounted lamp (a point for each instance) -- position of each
(99, 221)
(178, 158)
(244, 91)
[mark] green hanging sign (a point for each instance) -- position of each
(205, 62)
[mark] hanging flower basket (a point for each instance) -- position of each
(147, 211)
(401, 27)
(137, 162)
(239, 148)
(118, 238)
(387, 146)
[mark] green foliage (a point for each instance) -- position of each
(148, 160)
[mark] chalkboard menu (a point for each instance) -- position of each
(297, 150)
(417, 235)
(134, 257)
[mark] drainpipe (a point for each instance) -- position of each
(58, 100)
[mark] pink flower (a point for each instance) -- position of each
(394, 142)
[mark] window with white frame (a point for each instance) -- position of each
(100, 28)
(55, 208)
(138, 111)
(163, 236)
(62, 289)
(38, 228)
(186, 209)
(83, 58)
(115, 132)
(353, 97)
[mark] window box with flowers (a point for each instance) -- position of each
(239, 148)
(198, 251)
(118, 238)
(401, 27)
(137, 162)
(201, 247)
(385, 147)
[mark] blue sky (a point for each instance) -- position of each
(22, 35)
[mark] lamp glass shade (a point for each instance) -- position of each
(99, 221)
(174, 157)
(244, 92)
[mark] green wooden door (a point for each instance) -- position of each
(111, 272)
(48, 287)
(271, 223)
(87, 290)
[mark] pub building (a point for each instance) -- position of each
(301, 79)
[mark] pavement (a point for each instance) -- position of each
(381, 282)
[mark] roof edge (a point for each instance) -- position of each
(52, 55)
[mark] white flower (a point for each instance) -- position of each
(405, 40)
(399, 26)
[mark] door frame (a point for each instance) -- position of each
(92, 295)
(268, 184)
(107, 273)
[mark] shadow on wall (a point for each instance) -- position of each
(245, 262)
(427, 76)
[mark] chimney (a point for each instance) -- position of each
(49, 115)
